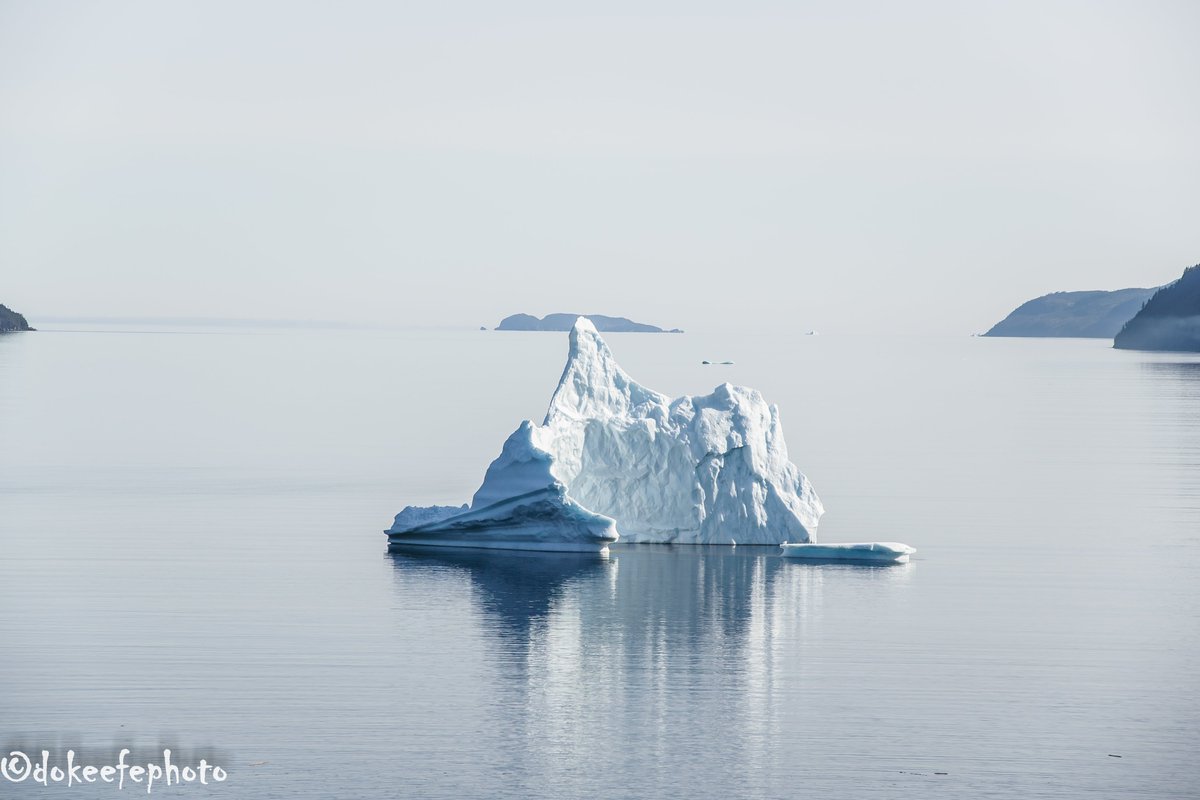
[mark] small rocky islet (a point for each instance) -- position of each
(11, 321)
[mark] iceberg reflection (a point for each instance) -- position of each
(513, 590)
(622, 661)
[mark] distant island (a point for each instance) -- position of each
(1170, 320)
(12, 321)
(565, 322)
(1086, 315)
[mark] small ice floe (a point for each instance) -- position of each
(720, 363)
(519, 507)
(877, 552)
(812, 333)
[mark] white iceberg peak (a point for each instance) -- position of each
(593, 385)
(711, 469)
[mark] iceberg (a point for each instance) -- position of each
(613, 455)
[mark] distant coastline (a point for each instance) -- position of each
(197, 322)
(1084, 315)
(1170, 320)
(564, 322)
(11, 321)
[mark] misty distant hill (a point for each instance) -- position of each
(1097, 314)
(12, 321)
(1170, 319)
(564, 322)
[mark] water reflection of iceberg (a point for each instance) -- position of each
(658, 659)
(512, 589)
(641, 598)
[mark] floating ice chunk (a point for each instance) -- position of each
(520, 506)
(889, 552)
(542, 520)
(415, 516)
(710, 469)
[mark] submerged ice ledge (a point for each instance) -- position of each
(613, 455)
(880, 552)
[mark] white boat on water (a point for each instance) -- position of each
(878, 552)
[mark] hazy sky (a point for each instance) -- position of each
(918, 167)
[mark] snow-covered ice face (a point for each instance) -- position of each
(711, 469)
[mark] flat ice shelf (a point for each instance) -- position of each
(886, 552)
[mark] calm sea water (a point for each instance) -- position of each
(191, 555)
